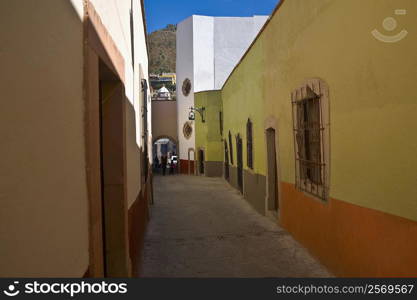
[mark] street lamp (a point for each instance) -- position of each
(191, 115)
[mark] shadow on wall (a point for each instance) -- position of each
(43, 189)
(124, 165)
(47, 188)
(137, 190)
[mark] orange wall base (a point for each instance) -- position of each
(138, 220)
(350, 240)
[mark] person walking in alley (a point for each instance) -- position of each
(171, 167)
(164, 161)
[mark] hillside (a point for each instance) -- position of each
(162, 50)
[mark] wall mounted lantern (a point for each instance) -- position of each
(191, 115)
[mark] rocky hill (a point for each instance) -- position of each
(162, 50)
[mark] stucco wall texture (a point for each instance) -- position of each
(371, 109)
(43, 198)
(184, 70)
(164, 119)
(115, 16)
(208, 134)
(44, 217)
(372, 206)
(207, 50)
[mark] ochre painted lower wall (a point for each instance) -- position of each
(213, 168)
(350, 240)
(138, 220)
(254, 190)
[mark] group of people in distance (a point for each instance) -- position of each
(164, 164)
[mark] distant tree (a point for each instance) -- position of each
(162, 50)
(171, 27)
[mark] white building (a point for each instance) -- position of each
(162, 94)
(208, 48)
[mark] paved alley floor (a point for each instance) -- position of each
(202, 227)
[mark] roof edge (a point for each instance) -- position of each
(206, 91)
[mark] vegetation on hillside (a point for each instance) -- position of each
(162, 50)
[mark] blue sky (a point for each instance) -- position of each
(159, 13)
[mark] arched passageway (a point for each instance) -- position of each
(165, 155)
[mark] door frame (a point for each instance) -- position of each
(226, 172)
(201, 162)
(271, 123)
(98, 46)
(240, 183)
(114, 175)
(189, 161)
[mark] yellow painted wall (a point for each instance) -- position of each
(243, 97)
(373, 99)
(43, 187)
(207, 135)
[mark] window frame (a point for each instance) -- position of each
(231, 148)
(249, 144)
(221, 122)
(312, 90)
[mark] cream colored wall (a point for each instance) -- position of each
(141, 68)
(43, 187)
(372, 95)
(115, 15)
(78, 6)
(142, 62)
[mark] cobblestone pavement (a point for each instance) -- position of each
(202, 227)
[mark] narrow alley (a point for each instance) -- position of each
(286, 131)
(201, 227)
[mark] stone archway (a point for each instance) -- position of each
(164, 148)
(160, 137)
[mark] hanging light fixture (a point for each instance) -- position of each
(191, 115)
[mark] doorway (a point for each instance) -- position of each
(113, 174)
(272, 201)
(191, 162)
(201, 161)
(239, 149)
(226, 161)
(165, 157)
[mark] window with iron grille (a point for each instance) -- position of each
(311, 137)
(230, 148)
(249, 144)
(221, 122)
